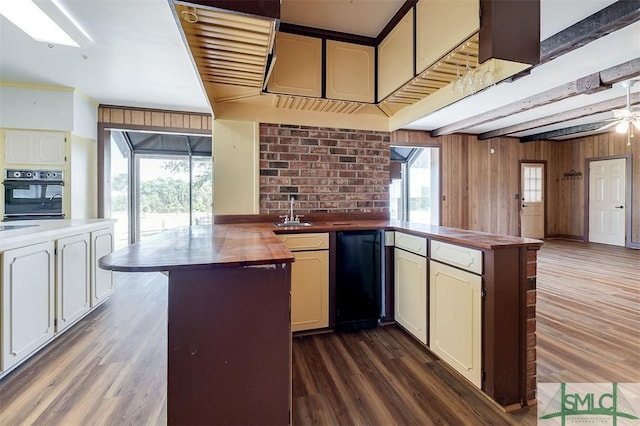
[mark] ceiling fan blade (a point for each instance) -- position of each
(608, 125)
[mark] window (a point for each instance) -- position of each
(532, 180)
(414, 196)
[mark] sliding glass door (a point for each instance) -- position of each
(158, 182)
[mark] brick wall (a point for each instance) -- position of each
(532, 270)
(329, 170)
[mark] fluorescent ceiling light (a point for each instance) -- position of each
(33, 21)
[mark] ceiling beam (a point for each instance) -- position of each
(589, 127)
(610, 19)
(584, 111)
(584, 85)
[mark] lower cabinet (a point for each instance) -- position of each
(101, 279)
(46, 288)
(309, 280)
(410, 282)
(72, 279)
(28, 301)
(455, 323)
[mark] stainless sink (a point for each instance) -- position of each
(292, 224)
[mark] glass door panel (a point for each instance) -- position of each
(119, 188)
(162, 194)
(202, 195)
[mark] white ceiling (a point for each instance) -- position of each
(136, 56)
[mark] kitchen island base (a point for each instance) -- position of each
(229, 346)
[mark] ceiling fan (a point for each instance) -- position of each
(628, 117)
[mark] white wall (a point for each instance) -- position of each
(83, 178)
(35, 108)
(85, 116)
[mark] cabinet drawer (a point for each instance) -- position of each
(417, 245)
(462, 257)
(311, 241)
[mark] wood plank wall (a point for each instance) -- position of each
(156, 119)
(479, 188)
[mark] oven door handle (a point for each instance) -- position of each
(33, 214)
(33, 182)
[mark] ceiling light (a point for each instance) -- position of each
(622, 127)
(33, 21)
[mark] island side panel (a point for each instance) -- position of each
(502, 326)
(229, 346)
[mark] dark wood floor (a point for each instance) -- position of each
(110, 368)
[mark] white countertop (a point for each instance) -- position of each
(44, 230)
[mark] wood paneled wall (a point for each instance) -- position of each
(479, 187)
(571, 194)
(153, 118)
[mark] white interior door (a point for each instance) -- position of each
(607, 195)
(532, 200)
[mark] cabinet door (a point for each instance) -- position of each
(310, 290)
(37, 148)
(27, 301)
(456, 319)
(395, 57)
(72, 280)
(410, 281)
(442, 25)
(298, 67)
(101, 279)
(350, 71)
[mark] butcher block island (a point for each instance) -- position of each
(468, 297)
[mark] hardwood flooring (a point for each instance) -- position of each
(588, 313)
(111, 367)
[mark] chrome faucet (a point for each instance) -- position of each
(290, 218)
(292, 200)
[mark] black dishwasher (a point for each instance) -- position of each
(359, 272)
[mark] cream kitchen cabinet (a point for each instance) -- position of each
(309, 280)
(395, 57)
(410, 284)
(28, 301)
(455, 333)
(35, 148)
(441, 25)
(298, 67)
(101, 282)
(350, 72)
(73, 299)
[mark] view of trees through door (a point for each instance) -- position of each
(155, 190)
(166, 198)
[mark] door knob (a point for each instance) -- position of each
(619, 207)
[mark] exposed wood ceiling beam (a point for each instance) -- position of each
(610, 19)
(589, 127)
(587, 84)
(584, 111)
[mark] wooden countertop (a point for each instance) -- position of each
(200, 247)
(249, 244)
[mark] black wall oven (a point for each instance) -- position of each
(33, 194)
